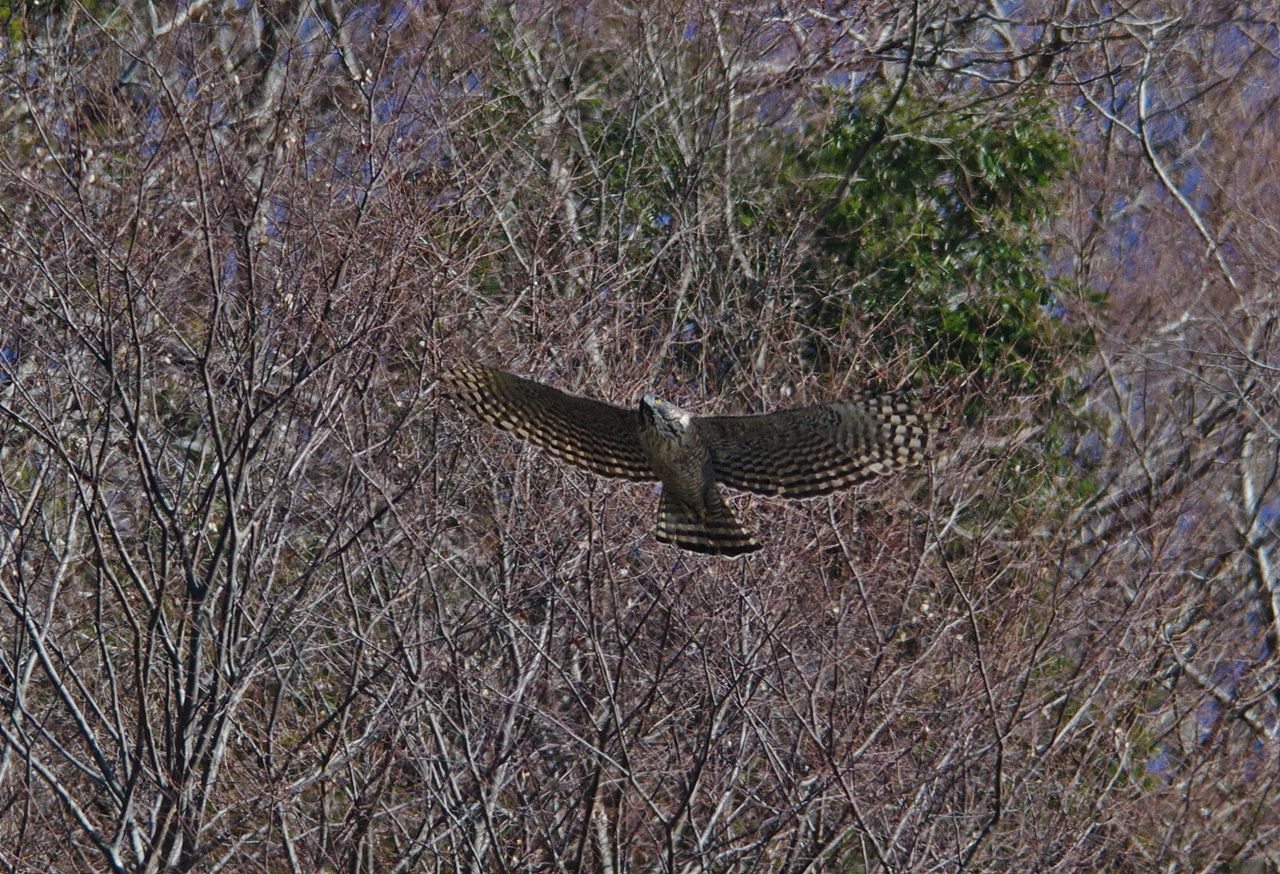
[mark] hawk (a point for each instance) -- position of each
(796, 453)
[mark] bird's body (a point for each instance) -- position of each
(691, 513)
(800, 452)
(675, 450)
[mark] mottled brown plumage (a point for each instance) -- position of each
(795, 453)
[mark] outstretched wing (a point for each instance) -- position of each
(592, 434)
(816, 450)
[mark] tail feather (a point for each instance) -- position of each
(712, 530)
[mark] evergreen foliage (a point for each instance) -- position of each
(937, 235)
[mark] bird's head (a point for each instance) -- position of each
(664, 417)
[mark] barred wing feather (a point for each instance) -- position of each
(589, 433)
(816, 450)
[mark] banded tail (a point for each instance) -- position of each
(713, 530)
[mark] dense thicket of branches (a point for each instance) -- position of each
(268, 603)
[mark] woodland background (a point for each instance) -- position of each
(269, 603)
